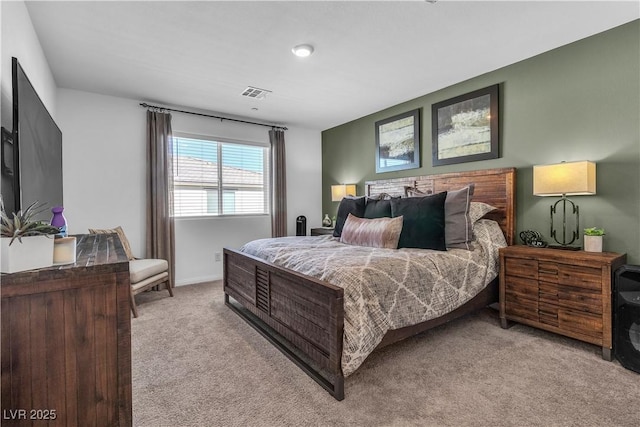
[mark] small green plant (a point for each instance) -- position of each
(593, 231)
(23, 225)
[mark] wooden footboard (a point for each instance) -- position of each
(302, 316)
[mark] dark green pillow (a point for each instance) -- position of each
(348, 205)
(376, 208)
(423, 225)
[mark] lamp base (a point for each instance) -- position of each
(566, 248)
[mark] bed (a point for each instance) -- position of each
(304, 316)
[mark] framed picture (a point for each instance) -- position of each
(398, 142)
(465, 128)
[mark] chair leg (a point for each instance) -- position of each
(169, 288)
(133, 304)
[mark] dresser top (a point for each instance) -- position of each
(563, 255)
(95, 253)
(98, 249)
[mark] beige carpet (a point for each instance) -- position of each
(196, 363)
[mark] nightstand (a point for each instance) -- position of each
(561, 291)
(321, 231)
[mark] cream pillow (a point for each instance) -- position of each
(477, 210)
(375, 233)
(123, 239)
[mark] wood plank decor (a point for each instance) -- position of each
(66, 340)
(304, 317)
(495, 187)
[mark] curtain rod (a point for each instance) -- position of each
(145, 105)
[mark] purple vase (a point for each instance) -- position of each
(58, 220)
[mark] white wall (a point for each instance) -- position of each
(304, 177)
(19, 39)
(104, 177)
(104, 163)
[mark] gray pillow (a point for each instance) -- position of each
(458, 228)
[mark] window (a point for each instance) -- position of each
(216, 177)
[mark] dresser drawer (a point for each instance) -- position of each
(580, 299)
(521, 267)
(548, 271)
(548, 293)
(548, 313)
(580, 322)
(526, 288)
(519, 306)
(580, 277)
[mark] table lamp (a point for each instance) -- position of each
(565, 179)
(340, 191)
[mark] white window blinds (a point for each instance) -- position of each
(214, 177)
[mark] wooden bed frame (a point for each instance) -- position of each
(304, 317)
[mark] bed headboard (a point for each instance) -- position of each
(493, 186)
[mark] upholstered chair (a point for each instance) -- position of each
(143, 273)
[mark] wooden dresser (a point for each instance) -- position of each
(562, 291)
(66, 340)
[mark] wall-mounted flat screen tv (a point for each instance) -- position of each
(37, 149)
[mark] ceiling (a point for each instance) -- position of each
(368, 55)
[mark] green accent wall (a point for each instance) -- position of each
(578, 102)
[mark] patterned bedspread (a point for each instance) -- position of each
(388, 289)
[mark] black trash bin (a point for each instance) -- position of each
(301, 226)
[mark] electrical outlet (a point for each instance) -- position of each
(218, 257)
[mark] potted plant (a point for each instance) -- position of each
(593, 239)
(26, 243)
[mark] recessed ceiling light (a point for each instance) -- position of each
(302, 50)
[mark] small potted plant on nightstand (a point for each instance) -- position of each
(593, 239)
(26, 244)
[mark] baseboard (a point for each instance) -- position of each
(195, 280)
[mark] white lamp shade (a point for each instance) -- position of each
(340, 191)
(570, 178)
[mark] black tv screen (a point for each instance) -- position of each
(37, 148)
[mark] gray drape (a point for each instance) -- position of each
(160, 226)
(278, 184)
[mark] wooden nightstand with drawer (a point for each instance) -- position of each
(561, 291)
(321, 231)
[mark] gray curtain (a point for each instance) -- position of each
(160, 226)
(278, 184)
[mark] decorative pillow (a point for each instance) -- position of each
(123, 239)
(423, 224)
(477, 210)
(458, 229)
(382, 196)
(375, 233)
(415, 192)
(348, 205)
(377, 208)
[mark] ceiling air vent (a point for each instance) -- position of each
(255, 93)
